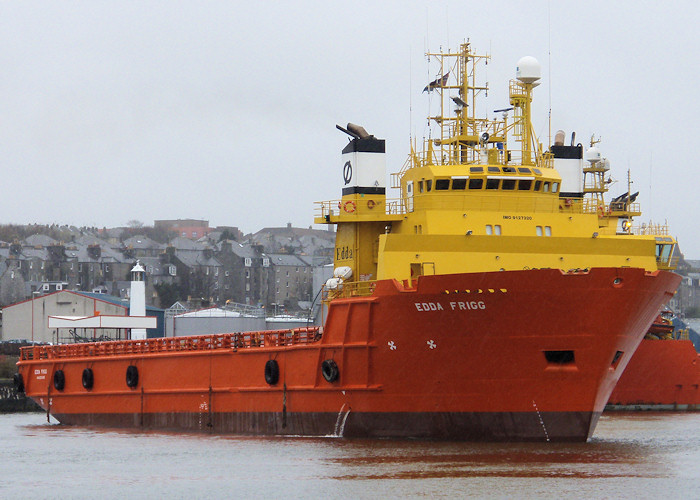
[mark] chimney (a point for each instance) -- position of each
(94, 251)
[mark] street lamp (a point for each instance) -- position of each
(34, 294)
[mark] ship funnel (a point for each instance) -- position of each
(568, 161)
(358, 130)
(559, 138)
(364, 164)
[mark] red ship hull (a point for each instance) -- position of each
(662, 375)
(527, 355)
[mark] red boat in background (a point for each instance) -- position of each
(663, 374)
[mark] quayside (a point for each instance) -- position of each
(498, 296)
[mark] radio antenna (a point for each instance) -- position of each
(549, 64)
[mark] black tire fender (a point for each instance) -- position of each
(272, 372)
(88, 378)
(329, 370)
(132, 376)
(59, 380)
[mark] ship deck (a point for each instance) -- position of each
(220, 341)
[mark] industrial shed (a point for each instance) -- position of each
(28, 319)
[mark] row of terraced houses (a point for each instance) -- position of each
(208, 266)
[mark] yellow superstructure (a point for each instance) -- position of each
(468, 203)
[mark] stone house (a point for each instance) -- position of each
(293, 280)
(12, 284)
(141, 246)
(198, 271)
(246, 269)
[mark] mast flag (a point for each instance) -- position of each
(439, 82)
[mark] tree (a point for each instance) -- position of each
(134, 224)
(168, 294)
(227, 235)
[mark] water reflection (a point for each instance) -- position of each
(576, 461)
(652, 454)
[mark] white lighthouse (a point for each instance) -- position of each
(137, 300)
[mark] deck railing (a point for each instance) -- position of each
(242, 340)
(350, 289)
(652, 229)
(394, 206)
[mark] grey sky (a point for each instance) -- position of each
(111, 111)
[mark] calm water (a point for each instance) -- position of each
(632, 455)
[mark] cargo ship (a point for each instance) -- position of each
(498, 297)
(663, 374)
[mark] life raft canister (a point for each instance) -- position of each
(272, 372)
(88, 378)
(132, 376)
(59, 380)
(329, 370)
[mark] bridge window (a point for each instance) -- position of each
(428, 185)
(538, 185)
(538, 230)
(442, 184)
(508, 184)
(495, 170)
(663, 252)
(537, 171)
(524, 185)
(459, 183)
(476, 170)
(476, 183)
(420, 186)
(555, 187)
(524, 170)
(492, 183)
(546, 187)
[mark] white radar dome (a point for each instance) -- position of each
(593, 155)
(528, 70)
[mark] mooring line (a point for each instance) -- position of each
(544, 428)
